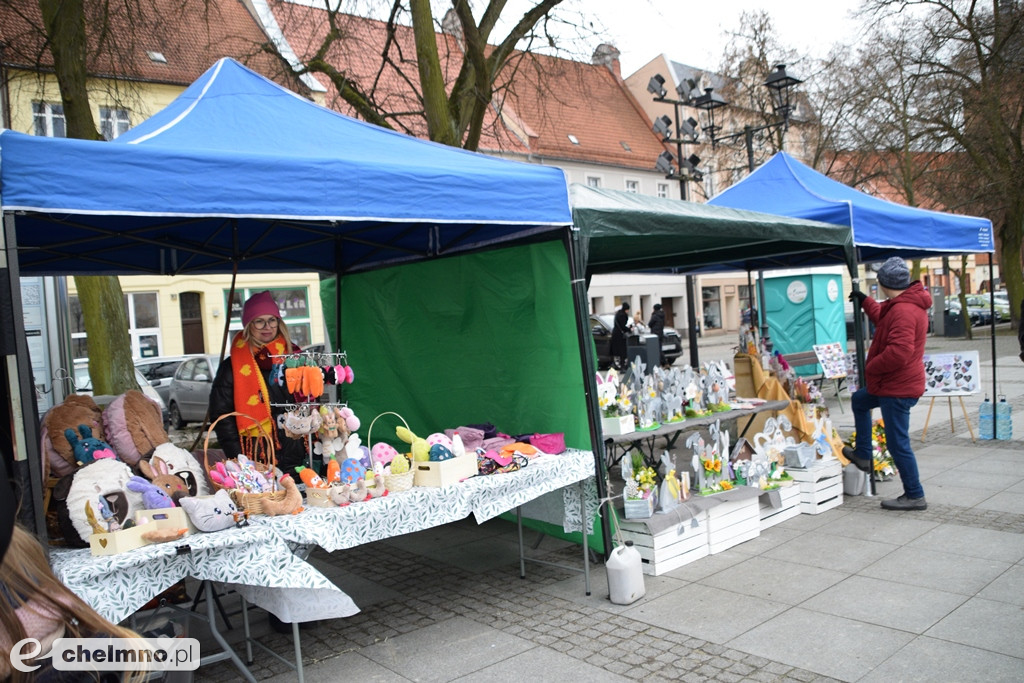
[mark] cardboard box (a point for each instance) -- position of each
(671, 548)
(124, 540)
(444, 472)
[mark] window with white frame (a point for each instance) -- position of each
(633, 186)
(49, 119)
(113, 122)
(293, 303)
(663, 190)
(143, 315)
(593, 181)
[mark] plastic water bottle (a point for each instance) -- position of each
(625, 575)
(986, 419)
(1004, 420)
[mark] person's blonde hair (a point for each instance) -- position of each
(249, 334)
(27, 578)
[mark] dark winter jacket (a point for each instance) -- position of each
(222, 401)
(895, 366)
(619, 333)
(657, 323)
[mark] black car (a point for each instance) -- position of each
(601, 326)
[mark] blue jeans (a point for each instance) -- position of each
(896, 416)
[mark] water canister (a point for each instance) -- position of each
(1004, 420)
(625, 575)
(986, 419)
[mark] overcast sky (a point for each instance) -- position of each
(693, 33)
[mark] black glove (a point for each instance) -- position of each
(858, 297)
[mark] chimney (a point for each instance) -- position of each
(607, 55)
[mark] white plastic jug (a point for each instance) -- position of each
(625, 575)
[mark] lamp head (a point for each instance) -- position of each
(663, 126)
(656, 86)
(664, 163)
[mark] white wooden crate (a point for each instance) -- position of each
(790, 507)
(733, 522)
(821, 485)
(677, 545)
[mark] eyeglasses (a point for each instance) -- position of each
(260, 323)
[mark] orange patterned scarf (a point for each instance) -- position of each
(251, 395)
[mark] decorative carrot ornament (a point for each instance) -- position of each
(310, 478)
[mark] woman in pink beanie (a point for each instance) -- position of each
(243, 385)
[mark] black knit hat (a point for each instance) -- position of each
(894, 274)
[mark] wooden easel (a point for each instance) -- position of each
(952, 427)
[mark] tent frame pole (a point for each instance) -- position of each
(571, 238)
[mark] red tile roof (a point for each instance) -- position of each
(547, 98)
(190, 35)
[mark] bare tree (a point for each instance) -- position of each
(459, 72)
(112, 372)
(968, 57)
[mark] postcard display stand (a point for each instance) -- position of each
(821, 485)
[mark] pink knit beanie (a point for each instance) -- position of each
(261, 303)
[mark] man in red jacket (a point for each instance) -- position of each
(894, 374)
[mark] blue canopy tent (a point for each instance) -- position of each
(881, 228)
(442, 254)
(786, 187)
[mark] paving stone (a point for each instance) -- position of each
(741, 669)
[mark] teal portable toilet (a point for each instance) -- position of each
(804, 310)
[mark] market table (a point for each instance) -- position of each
(673, 430)
(265, 563)
(253, 560)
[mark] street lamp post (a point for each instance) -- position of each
(780, 84)
(684, 170)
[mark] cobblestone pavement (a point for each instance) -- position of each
(414, 592)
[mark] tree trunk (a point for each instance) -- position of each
(1010, 258)
(110, 359)
(435, 99)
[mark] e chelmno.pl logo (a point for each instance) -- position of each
(109, 654)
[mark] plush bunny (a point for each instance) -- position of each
(184, 465)
(420, 447)
(87, 448)
(153, 496)
(330, 440)
(156, 471)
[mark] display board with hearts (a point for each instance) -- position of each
(952, 374)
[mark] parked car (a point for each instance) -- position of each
(1001, 307)
(83, 385)
(601, 326)
(977, 315)
(190, 389)
(159, 371)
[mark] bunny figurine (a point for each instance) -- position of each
(156, 470)
(88, 448)
(153, 497)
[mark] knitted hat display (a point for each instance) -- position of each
(894, 274)
(261, 303)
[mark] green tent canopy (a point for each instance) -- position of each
(624, 231)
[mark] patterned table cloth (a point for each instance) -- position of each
(421, 507)
(253, 559)
(258, 560)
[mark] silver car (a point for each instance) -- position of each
(189, 396)
(159, 371)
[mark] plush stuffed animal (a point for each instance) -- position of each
(107, 478)
(420, 447)
(291, 504)
(212, 513)
(154, 497)
(330, 440)
(134, 426)
(184, 465)
(59, 457)
(87, 448)
(156, 471)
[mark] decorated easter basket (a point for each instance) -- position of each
(262, 454)
(392, 482)
(319, 498)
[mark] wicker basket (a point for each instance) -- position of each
(264, 459)
(393, 482)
